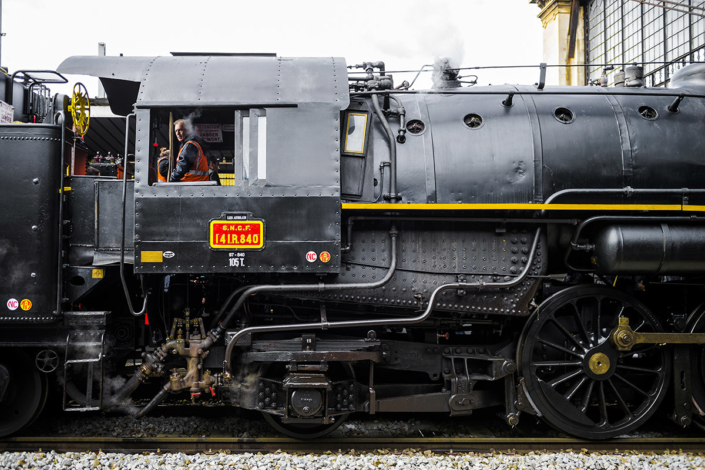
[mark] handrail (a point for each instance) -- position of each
(122, 239)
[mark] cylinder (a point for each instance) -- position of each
(650, 249)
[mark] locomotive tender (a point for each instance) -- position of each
(538, 249)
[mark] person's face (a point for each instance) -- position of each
(180, 130)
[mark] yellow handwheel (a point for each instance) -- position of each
(80, 108)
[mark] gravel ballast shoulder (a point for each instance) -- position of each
(408, 459)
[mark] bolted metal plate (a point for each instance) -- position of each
(429, 257)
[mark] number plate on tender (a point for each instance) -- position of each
(242, 235)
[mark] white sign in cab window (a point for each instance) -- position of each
(209, 132)
(6, 112)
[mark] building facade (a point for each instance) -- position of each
(664, 35)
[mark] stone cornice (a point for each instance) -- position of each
(551, 8)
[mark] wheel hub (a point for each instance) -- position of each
(599, 363)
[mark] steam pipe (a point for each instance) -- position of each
(122, 239)
(501, 220)
(321, 287)
(419, 73)
(627, 191)
(382, 322)
(60, 270)
(223, 307)
(401, 138)
(392, 151)
(469, 91)
(160, 397)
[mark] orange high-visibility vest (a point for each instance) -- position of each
(199, 171)
(159, 175)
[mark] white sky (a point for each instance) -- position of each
(404, 34)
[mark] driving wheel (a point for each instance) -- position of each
(24, 393)
(576, 378)
(697, 366)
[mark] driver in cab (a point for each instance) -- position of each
(191, 162)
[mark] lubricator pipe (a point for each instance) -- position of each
(392, 151)
(122, 239)
(387, 321)
(60, 269)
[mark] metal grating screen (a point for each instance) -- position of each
(624, 31)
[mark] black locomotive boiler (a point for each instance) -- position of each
(378, 249)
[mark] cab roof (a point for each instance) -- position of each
(212, 80)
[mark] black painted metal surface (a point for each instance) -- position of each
(30, 154)
(524, 153)
(430, 255)
(218, 81)
(648, 249)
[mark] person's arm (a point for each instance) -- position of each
(185, 163)
(164, 167)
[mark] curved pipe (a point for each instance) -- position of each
(392, 150)
(387, 321)
(502, 220)
(224, 307)
(623, 191)
(314, 287)
(122, 239)
(628, 191)
(401, 137)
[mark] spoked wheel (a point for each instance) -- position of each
(338, 371)
(25, 395)
(697, 366)
(576, 378)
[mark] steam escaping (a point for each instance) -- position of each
(445, 73)
(189, 120)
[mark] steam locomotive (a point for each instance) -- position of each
(379, 249)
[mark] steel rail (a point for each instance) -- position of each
(168, 444)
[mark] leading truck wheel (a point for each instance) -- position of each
(576, 378)
(25, 394)
(302, 430)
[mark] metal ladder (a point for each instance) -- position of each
(85, 347)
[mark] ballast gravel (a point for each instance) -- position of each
(408, 459)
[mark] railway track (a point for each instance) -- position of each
(344, 445)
